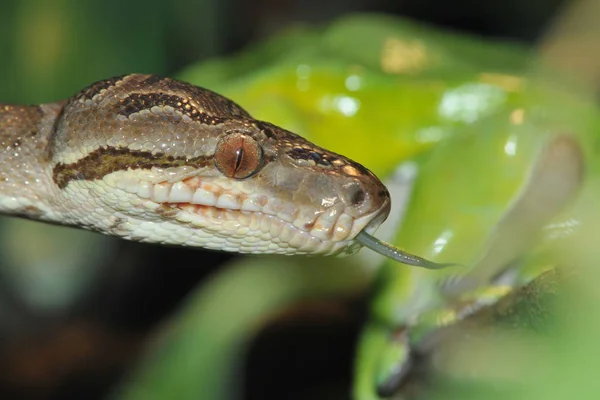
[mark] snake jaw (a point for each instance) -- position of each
(239, 216)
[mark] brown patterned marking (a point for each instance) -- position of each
(266, 128)
(104, 161)
(350, 170)
(137, 102)
(152, 80)
(213, 103)
(95, 88)
(309, 154)
(363, 170)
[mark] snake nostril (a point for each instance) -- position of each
(358, 197)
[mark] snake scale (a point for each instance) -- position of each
(154, 159)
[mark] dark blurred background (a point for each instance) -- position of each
(50, 48)
(72, 325)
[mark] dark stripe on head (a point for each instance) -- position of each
(266, 128)
(104, 161)
(137, 102)
(212, 102)
(95, 88)
(310, 154)
(152, 80)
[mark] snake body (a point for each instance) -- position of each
(158, 160)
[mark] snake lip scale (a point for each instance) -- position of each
(154, 159)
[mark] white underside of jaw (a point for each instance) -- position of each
(211, 216)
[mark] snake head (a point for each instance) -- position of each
(158, 160)
(268, 190)
(316, 201)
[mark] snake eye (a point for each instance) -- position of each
(238, 156)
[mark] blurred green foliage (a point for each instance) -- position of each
(52, 48)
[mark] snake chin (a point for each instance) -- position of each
(261, 232)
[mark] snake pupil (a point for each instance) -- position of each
(239, 157)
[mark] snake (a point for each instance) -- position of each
(154, 159)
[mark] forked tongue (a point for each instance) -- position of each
(389, 251)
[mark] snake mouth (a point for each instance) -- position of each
(255, 223)
(368, 223)
(377, 218)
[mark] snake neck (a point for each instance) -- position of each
(26, 186)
